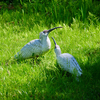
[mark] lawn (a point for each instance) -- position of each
(42, 80)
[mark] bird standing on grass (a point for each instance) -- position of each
(36, 47)
(67, 61)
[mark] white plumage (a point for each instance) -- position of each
(36, 47)
(67, 61)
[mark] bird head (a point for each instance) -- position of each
(46, 32)
(57, 48)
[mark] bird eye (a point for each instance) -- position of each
(44, 32)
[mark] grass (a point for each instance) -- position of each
(44, 80)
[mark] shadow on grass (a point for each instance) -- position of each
(93, 64)
(91, 76)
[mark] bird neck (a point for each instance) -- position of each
(46, 44)
(44, 40)
(58, 52)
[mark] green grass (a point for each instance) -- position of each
(43, 80)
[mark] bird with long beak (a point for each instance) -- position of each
(67, 61)
(36, 47)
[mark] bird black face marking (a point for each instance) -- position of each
(55, 46)
(45, 31)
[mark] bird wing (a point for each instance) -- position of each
(76, 64)
(31, 49)
(63, 60)
(72, 60)
(68, 62)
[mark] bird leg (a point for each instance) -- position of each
(35, 59)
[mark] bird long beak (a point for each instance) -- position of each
(54, 40)
(53, 29)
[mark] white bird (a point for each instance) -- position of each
(67, 61)
(36, 47)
